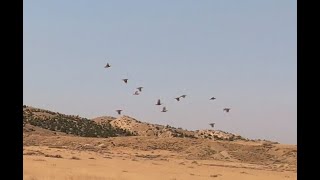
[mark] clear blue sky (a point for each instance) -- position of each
(244, 53)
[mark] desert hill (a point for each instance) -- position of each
(137, 150)
(70, 124)
(146, 129)
(108, 126)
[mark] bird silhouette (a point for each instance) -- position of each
(158, 102)
(119, 111)
(107, 66)
(183, 96)
(136, 93)
(140, 88)
(213, 98)
(212, 124)
(226, 109)
(177, 98)
(164, 109)
(125, 80)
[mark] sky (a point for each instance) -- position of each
(243, 53)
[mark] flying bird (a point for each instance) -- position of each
(213, 98)
(125, 80)
(136, 93)
(158, 102)
(164, 109)
(226, 109)
(140, 88)
(177, 98)
(184, 96)
(212, 124)
(119, 111)
(107, 66)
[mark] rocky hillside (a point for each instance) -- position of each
(146, 129)
(108, 126)
(217, 135)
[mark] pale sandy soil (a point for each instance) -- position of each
(56, 156)
(127, 164)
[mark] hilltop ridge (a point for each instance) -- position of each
(109, 126)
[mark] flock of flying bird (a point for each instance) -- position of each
(164, 109)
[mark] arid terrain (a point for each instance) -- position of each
(58, 146)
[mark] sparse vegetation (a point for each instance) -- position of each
(70, 124)
(215, 175)
(53, 156)
(75, 158)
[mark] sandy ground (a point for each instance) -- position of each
(47, 163)
(49, 155)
